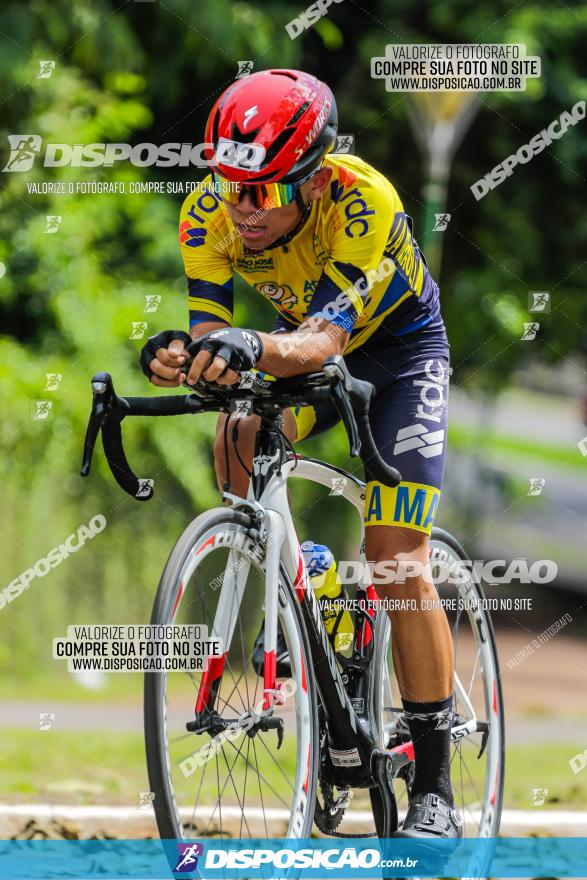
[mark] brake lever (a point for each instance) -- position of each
(103, 398)
(335, 369)
(341, 402)
(352, 398)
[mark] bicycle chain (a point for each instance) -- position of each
(325, 822)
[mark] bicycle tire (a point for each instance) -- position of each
(165, 806)
(494, 782)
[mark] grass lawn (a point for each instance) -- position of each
(90, 768)
(568, 457)
(61, 686)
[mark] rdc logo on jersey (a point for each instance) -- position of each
(23, 149)
(187, 857)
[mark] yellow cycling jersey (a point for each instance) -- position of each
(354, 261)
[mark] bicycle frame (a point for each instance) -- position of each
(352, 739)
(363, 750)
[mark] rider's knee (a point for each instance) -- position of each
(219, 448)
(399, 560)
(391, 542)
(244, 439)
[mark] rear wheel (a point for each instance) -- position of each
(239, 780)
(477, 762)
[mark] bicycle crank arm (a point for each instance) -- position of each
(381, 768)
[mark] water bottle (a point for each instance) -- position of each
(329, 592)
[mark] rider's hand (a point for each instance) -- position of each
(162, 357)
(222, 355)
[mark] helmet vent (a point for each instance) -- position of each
(298, 113)
(244, 137)
(287, 73)
(215, 125)
(279, 142)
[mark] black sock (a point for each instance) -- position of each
(430, 725)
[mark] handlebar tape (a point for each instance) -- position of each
(118, 462)
(156, 406)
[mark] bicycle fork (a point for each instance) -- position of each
(225, 620)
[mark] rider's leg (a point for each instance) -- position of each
(409, 424)
(422, 652)
(247, 431)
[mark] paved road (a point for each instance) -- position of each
(57, 820)
(542, 694)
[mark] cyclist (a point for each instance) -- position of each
(325, 238)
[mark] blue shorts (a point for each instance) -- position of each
(408, 420)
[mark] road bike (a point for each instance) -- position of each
(231, 753)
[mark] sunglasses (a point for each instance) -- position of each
(263, 195)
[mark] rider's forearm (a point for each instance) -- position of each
(198, 330)
(293, 354)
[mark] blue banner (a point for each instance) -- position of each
(211, 858)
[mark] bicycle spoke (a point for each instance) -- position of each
(458, 749)
(232, 708)
(472, 781)
(277, 764)
(177, 739)
(244, 659)
(193, 820)
(262, 777)
(477, 658)
(455, 634)
(221, 791)
(240, 833)
(235, 788)
(227, 663)
(260, 792)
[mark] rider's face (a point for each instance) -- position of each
(259, 229)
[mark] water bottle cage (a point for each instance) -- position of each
(359, 659)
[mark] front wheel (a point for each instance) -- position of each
(241, 777)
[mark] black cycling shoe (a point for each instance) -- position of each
(283, 666)
(429, 815)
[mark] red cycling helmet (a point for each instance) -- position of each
(291, 114)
